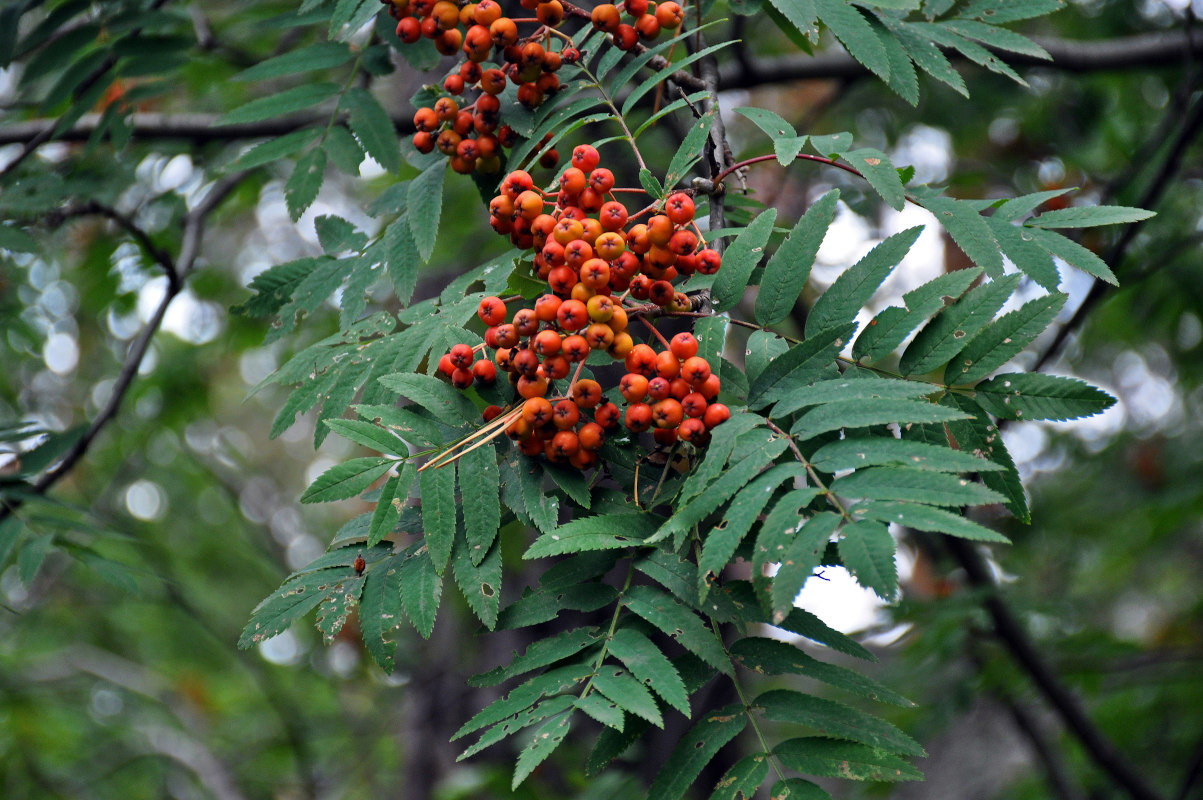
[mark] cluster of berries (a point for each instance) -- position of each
(648, 23)
(497, 55)
(594, 267)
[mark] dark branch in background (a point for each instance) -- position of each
(177, 272)
(1131, 52)
(1189, 131)
(1007, 628)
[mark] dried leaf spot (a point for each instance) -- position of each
(487, 589)
(958, 334)
(872, 162)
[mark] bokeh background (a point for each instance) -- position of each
(125, 587)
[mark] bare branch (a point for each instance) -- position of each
(1144, 51)
(1011, 634)
(194, 224)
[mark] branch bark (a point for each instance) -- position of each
(1145, 51)
(1012, 635)
(177, 271)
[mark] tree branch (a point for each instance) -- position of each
(1010, 632)
(1145, 51)
(177, 272)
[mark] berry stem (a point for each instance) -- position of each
(659, 335)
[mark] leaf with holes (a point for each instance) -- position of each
(610, 531)
(742, 780)
(293, 600)
(798, 551)
(679, 623)
(381, 613)
(649, 665)
(546, 740)
(479, 579)
(1004, 339)
(695, 750)
(893, 324)
(952, 331)
(1033, 396)
(540, 654)
(602, 710)
(837, 758)
(630, 695)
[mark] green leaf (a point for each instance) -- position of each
(836, 758)
(531, 716)
(293, 600)
(277, 148)
(775, 657)
(853, 288)
(786, 141)
(920, 486)
(401, 259)
(1000, 11)
(742, 780)
(1004, 339)
(546, 603)
(980, 436)
(649, 665)
(867, 550)
(630, 695)
(343, 149)
(368, 435)
(740, 258)
(801, 14)
(722, 443)
(1073, 254)
(279, 104)
(797, 789)
(302, 186)
(380, 610)
(30, 557)
(969, 49)
(441, 399)
(421, 591)
(880, 450)
(679, 623)
(927, 518)
(346, 480)
(1089, 216)
(722, 489)
(723, 539)
(997, 38)
(868, 412)
(762, 347)
(333, 611)
(548, 684)
(801, 365)
(903, 80)
(1032, 396)
(436, 488)
(855, 34)
(479, 486)
(969, 230)
(893, 324)
(875, 166)
(325, 55)
(610, 531)
(602, 710)
(637, 92)
(789, 268)
(796, 543)
(479, 578)
(650, 184)
(828, 716)
(426, 207)
(388, 508)
(1019, 245)
(831, 144)
(843, 389)
(950, 332)
(522, 486)
(540, 654)
(374, 129)
(695, 750)
(572, 481)
(337, 235)
(927, 56)
(546, 740)
(711, 333)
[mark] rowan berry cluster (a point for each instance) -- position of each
(496, 55)
(597, 270)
